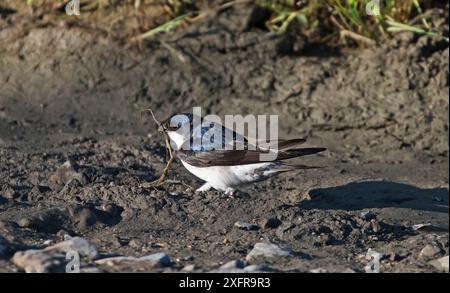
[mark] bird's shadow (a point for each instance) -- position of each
(378, 194)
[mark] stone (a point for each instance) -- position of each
(257, 269)
(25, 223)
(53, 258)
(429, 251)
(246, 226)
(441, 264)
(154, 260)
(421, 226)
(234, 264)
(78, 244)
(91, 270)
(159, 259)
(188, 268)
(36, 261)
(267, 250)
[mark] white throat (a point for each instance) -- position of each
(176, 138)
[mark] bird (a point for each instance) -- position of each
(226, 167)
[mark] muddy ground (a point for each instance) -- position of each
(73, 94)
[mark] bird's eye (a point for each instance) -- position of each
(174, 127)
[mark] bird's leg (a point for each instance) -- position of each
(229, 191)
(204, 187)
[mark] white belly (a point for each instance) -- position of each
(221, 177)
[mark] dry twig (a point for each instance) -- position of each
(165, 173)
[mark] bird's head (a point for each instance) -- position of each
(178, 127)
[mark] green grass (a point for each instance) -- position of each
(165, 27)
(329, 19)
(344, 19)
(349, 18)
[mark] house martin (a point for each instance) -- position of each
(231, 161)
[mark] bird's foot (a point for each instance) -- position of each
(203, 188)
(229, 191)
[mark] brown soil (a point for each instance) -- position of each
(74, 93)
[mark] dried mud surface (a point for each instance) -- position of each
(71, 94)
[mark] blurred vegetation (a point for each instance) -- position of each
(360, 21)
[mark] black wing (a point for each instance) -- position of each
(239, 157)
